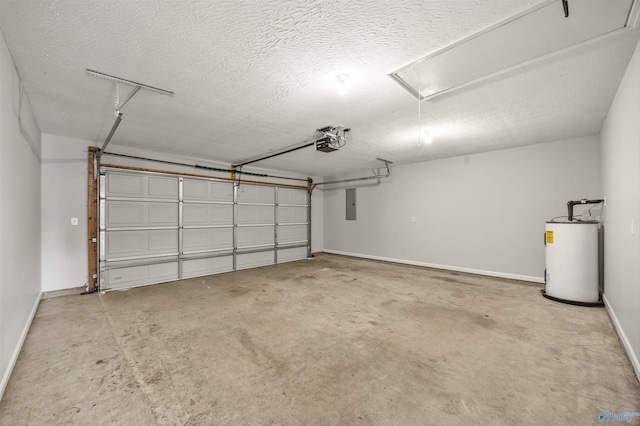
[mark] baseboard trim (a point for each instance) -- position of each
(14, 358)
(633, 357)
(445, 267)
(64, 292)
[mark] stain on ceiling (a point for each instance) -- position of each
(251, 77)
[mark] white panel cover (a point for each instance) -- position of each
(289, 214)
(209, 266)
(540, 31)
(292, 196)
(207, 214)
(125, 214)
(128, 244)
(252, 236)
(203, 190)
(141, 186)
(256, 194)
(141, 275)
(249, 215)
(200, 240)
(289, 255)
(252, 260)
(292, 233)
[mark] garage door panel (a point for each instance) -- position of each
(124, 244)
(292, 196)
(202, 190)
(128, 185)
(127, 244)
(198, 240)
(291, 214)
(162, 187)
(292, 254)
(194, 240)
(163, 214)
(207, 214)
(292, 233)
(249, 215)
(256, 194)
(253, 260)
(124, 276)
(161, 242)
(253, 236)
(133, 276)
(209, 266)
(125, 185)
(157, 227)
(195, 189)
(120, 214)
(195, 214)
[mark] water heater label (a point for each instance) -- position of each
(549, 237)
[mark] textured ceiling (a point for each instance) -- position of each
(251, 77)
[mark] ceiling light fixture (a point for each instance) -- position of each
(343, 83)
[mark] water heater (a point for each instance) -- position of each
(572, 261)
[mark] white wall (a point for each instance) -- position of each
(621, 185)
(64, 195)
(19, 215)
(482, 213)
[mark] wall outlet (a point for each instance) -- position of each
(74, 221)
(413, 219)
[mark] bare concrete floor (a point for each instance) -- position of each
(333, 341)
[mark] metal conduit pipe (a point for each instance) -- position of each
(375, 176)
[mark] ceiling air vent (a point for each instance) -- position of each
(521, 40)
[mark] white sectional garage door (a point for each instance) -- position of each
(156, 228)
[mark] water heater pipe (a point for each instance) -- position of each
(570, 205)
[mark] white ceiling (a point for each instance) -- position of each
(255, 76)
